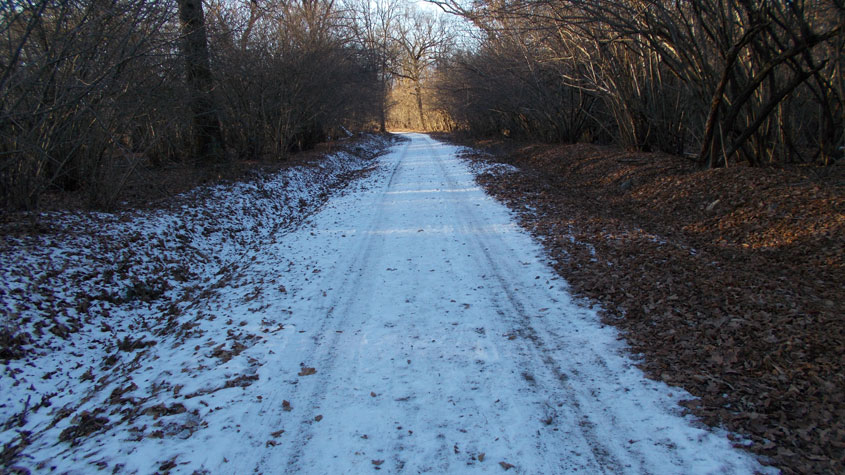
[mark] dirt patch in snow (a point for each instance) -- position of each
(728, 282)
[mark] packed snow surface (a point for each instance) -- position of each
(408, 326)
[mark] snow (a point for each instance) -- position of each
(435, 327)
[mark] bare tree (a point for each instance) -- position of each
(81, 89)
(422, 38)
(759, 81)
(208, 137)
(91, 92)
(374, 25)
(291, 74)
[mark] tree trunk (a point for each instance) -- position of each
(383, 107)
(418, 92)
(208, 138)
(767, 109)
(711, 142)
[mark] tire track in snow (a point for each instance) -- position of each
(323, 355)
(259, 457)
(414, 407)
(424, 376)
(587, 407)
(602, 458)
(418, 414)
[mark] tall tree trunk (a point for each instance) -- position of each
(383, 106)
(418, 92)
(208, 138)
(709, 153)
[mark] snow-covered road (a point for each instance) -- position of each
(424, 332)
(407, 325)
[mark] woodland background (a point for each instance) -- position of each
(93, 90)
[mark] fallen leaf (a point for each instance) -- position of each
(506, 466)
(480, 457)
(306, 371)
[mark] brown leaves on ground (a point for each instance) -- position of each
(167, 466)
(83, 425)
(306, 371)
(160, 410)
(226, 355)
(12, 450)
(12, 344)
(728, 281)
(241, 381)
(130, 344)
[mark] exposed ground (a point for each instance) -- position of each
(729, 282)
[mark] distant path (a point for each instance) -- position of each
(438, 334)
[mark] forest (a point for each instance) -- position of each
(93, 90)
(719, 81)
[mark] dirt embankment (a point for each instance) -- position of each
(729, 282)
